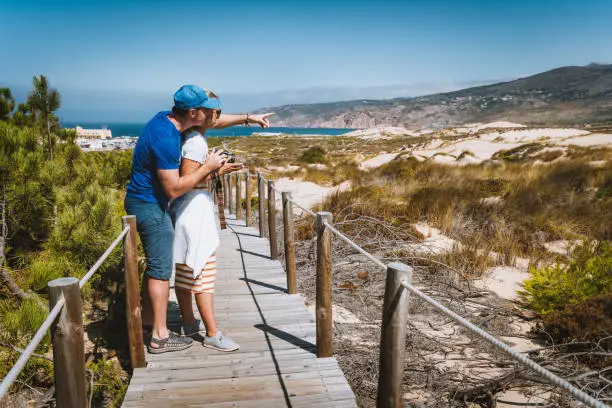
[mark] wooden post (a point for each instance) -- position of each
(393, 336)
(230, 197)
(272, 220)
(133, 308)
(238, 197)
(324, 287)
(247, 215)
(225, 191)
(262, 198)
(68, 344)
(289, 243)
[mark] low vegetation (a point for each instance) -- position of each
(59, 210)
(501, 212)
(313, 154)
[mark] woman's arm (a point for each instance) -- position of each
(175, 183)
(189, 166)
(228, 119)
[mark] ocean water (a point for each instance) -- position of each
(134, 129)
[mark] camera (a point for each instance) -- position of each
(229, 156)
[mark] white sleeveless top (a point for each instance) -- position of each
(196, 234)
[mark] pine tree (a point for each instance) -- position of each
(7, 104)
(45, 101)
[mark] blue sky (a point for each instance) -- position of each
(125, 58)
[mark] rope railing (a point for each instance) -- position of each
(554, 379)
(394, 313)
(303, 208)
(357, 247)
(66, 324)
(101, 260)
(29, 350)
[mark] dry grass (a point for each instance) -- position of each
(511, 208)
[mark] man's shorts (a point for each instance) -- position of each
(156, 232)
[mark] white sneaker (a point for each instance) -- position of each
(220, 342)
(188, 330)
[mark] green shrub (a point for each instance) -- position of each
(588, 274)
(109, 382)
(587, 321)
(604, 192)
(254, 203)
(590, 320)
(20, 322)
(313, 154)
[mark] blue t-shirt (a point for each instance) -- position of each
(158, 148)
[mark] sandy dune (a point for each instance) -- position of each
(595, 139)
(382, 132)
(532, 135)
(477, 148)
(481, 149)
(306, 193)
(377, 161)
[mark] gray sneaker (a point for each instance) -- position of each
(220, 342)
(171, 343)
(188, 330)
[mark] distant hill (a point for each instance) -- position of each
(564, 96)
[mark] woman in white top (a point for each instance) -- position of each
(196, 235)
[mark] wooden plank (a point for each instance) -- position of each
(336, 399)
(230, 360)
(199, 377)
(229, 388)
(227, 358)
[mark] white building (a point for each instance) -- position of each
(94, 133)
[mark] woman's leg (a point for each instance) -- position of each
(184, 301)
(205, 298)
(206, 307)
(183, 287)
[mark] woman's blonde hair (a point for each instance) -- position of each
(211, 94)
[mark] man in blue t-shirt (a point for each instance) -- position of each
(154, 182)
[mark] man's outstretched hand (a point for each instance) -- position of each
(262, 120)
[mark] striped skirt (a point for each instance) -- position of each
(205, 283)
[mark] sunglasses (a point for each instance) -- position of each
(218, 111)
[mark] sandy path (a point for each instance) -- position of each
(307, 193)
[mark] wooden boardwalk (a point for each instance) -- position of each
(275, 366)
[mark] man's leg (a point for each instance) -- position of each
(157, 236)
(159, 291)
(147, 308)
